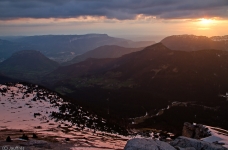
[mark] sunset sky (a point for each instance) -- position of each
(114, 17)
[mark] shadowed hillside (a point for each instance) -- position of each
(107, 51)
(146, 80)
(27, 65)
(5, 79)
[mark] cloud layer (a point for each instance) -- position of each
(119, 9)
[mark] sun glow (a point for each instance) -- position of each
(206, 21)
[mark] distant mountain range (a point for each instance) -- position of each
(219, 38)
(194, 43)
(65, 47)
(107, 51)
(27, 65)
(146, 80)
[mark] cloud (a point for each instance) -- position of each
(118, 9)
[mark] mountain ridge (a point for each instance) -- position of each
(194, 43)
(27, 64)
(106, 51)
(65, 47)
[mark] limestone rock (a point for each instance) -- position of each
(188, 148)
(197, 134)
(184, 142)
(188, 130)
(196, 131)
(147, 144)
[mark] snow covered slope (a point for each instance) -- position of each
(33, 109)
(218, 136)
(27, 107)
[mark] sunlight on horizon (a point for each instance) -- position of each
(206, 21)
(140, 25)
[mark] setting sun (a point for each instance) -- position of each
(206, 21)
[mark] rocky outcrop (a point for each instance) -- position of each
(188, 130)
(188, 148)
(147, 144)
(196, 131)
(190, 141)
(184, 142)
(180, 143)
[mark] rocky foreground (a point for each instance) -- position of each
(34, 118)
(180, 143)
(58, 140)
(195, 137)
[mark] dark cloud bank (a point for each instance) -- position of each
(120, 9)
